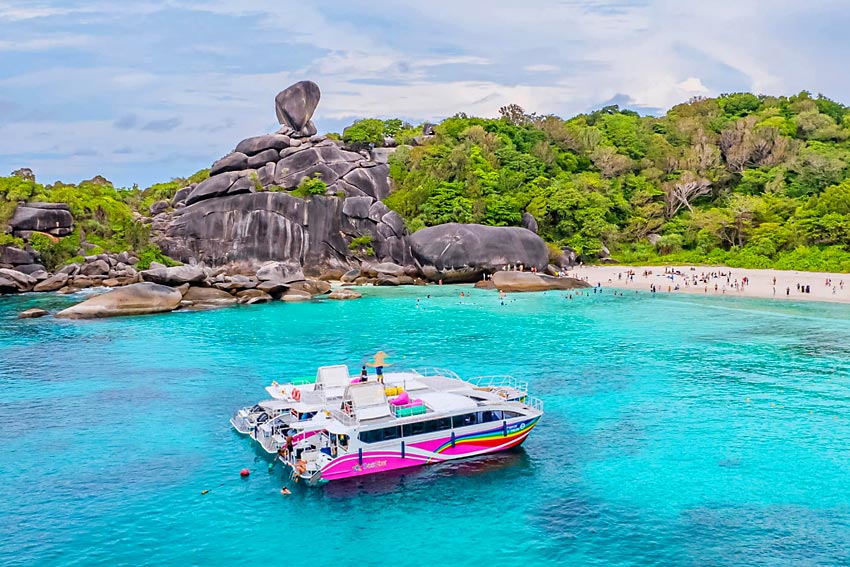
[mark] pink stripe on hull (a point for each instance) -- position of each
(373, 462)
(382, 461)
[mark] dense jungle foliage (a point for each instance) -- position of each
(103, 217)
(742, 180)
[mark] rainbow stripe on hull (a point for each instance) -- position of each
(431, 451)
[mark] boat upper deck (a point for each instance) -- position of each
(410, 396)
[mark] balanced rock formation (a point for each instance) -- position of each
(137, 299)
(464, 252)
(528, 281)
(295, 106)
(244, 213)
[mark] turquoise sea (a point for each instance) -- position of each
(679, 431)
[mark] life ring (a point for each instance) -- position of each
(301, 467)
(296, 394)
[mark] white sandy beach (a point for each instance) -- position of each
(721, 281)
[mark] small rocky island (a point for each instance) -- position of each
(249, 234)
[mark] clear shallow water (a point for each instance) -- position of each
(678, 431)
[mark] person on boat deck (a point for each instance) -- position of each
(364, 375)
(289, 446)
(378, 365)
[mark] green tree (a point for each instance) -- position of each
(364, 132)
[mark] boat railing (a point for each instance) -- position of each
(504, 381)
(433, 371)
(343, 417)
(534, 403)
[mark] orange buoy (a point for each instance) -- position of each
(244, 472)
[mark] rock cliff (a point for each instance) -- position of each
(261, 224)
(464, 252)
(245, 213)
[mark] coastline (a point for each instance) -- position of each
(760, 281)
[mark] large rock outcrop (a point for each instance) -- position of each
(244, 213)
(52, 218)
(259, 227)
(137, 299)
(174, 276)
(463, 252)
(13, 281)
(15, 256)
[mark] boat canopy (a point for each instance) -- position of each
(330, 377)
(368, 400)
(276, 404)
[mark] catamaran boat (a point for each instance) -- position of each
(293, 406)
(412, 418)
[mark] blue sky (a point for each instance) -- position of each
(142, 92)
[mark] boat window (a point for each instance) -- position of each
(377, 435)
(464, 420)
(390, 433)
(489, 415)
(372, 436)
(509, 414)
(444, 423)
(421, 427)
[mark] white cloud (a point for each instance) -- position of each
(453, 60)
(692, 85)
(45, 43)
(434, 60)
(20, 12)
(134, 80)
(542, 68)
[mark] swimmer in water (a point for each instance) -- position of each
(285, 491)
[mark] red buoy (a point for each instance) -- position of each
(244, 472)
